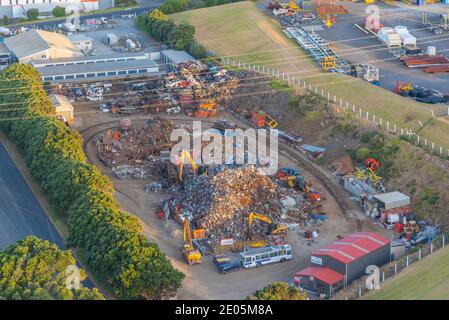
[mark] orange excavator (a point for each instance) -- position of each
(206, 110)
(372, 164)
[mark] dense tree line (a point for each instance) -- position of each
(35, 269)
(111, 239)
(180, 37)
(173, 6)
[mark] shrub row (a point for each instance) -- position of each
(112, 240)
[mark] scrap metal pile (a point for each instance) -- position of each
(186, 87)
(134, 151)
(195, 83)
(221, 202)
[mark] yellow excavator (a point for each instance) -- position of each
(192, 255)
(186, 154)
(273, 228)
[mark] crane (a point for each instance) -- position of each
(186, 154)
(274, 228)
(191, 254)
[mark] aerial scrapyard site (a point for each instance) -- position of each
(242, 150)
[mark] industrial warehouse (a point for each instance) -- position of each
(341, 262)
(97, 67)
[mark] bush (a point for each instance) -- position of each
(112, 240)
(58, 11)
(278, 291)
(362, 154)
(32, 14)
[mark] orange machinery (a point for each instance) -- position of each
(206, 110)
(261, 119)
(372, 164)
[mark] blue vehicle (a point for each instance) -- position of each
(226, 265)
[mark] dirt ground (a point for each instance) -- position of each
(203, 281)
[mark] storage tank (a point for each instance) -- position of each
(130, 44)
(431, 50)
(111, 39)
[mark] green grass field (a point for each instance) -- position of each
(424, 280)
(242, 32)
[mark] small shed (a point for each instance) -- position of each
(176, 56)
(82, 42)
(391, 200)
(64, 109)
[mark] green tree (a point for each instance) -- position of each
(112, 239)
(32, 14)
(58, 11)
(278, 291)
(5, 20)
(35, 269)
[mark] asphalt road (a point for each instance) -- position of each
(20, 213)
(110, 15)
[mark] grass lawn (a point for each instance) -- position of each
(425, 279)
(242, 32)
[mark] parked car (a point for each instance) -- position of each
(225, 264)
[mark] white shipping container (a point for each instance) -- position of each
(407, 39)
(392, 39)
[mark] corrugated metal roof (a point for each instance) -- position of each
(34, 41)
(353, 247)
(324, 274)
(80, 37)
(136, 55)
(177, 56)
(393, 199)
(96, 67)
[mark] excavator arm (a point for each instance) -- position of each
(186, 154)
(258, 216)
(273, 227)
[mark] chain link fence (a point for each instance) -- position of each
(363, 115)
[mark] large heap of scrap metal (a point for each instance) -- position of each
(221, 203)
(135, 147)
(196, 83)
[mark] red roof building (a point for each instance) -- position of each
(343, 261)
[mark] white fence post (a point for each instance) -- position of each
(419, 254)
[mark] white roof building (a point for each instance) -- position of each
(39, 44)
